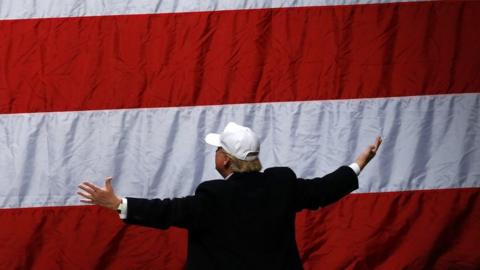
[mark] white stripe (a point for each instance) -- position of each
(430, 142)
(27, 9)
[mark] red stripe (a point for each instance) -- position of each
(435, 229)
(239, 56)
(84, 238)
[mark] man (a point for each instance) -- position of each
(245, 222)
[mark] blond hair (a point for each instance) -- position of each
(243, 166)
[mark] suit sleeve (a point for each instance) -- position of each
(319, 192)
(183, 212)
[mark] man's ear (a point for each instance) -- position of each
(227, 161)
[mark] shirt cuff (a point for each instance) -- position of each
(355, 168)
(122, 209)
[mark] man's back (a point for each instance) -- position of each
(247, 221)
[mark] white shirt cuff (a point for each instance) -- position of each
(122, 209)
(355, 168)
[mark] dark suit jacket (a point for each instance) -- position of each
(247, 221)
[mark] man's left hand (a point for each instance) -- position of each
(100, 196)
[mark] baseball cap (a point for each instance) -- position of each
(238, 141)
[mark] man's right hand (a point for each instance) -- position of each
(368, 154)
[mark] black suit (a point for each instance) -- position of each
(247, 221)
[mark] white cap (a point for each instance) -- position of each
(239, 141)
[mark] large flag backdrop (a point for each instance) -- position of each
(93, 88)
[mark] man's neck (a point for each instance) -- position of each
(226, 174)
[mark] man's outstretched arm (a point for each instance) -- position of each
(157, 213)
(322, 191)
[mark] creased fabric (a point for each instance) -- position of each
(128, 89)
